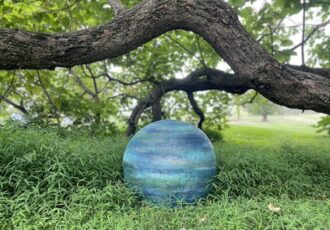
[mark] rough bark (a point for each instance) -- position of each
(214, 20)
(324, 72)
(199, 80)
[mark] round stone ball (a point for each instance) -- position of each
(169, 162)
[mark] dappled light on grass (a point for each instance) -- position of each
(48, 181)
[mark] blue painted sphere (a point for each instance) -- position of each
(169, 161)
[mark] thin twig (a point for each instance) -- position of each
(303, 35)
(129, 83)
(251, 99)
(83, 86)
(273, 31)
(185, 48)
(316, 28)
(55, 110)
(116, 6)
(123, 95)
(9, 87)
(94, 80)
(200, 51)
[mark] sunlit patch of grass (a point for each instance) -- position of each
(274, 135)
(52, 181)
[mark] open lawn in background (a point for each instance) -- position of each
(272, 175)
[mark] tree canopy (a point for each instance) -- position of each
(128, 59)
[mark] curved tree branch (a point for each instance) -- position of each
(3, 97)
(214, 20)
(196, 109)
(8, 88)
(20, 107)
(199, 80)
(83, 85)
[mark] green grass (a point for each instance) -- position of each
(275, 135)
(75, 182)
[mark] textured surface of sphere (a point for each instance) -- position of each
(169, 161)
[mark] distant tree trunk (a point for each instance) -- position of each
(264, 117)
(97, 118)
(238, 112)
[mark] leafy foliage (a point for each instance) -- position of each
(324, 125)
(262, 106)
(213, 135)
(173, 55)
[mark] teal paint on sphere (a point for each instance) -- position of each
(169, 161)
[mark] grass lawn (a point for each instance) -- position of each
(272, 176)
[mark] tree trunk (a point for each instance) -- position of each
(156, 111)
(264, 117)
(238, 112)
(196, 109)
(214, 20)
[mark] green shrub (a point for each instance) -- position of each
(324, 125)
(213, 135)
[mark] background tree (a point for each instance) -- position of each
(262, 106)
(108, 90)
(324, 125)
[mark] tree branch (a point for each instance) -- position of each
(199, 80)
(316, 28)
(4, 98)
(303, 35)
(273, 31)
(251, 99)
(117, 6)
(179, 44)
(129, 83)
(196, 109)
(214, 20)
(50, 100)
(83, 86)
(200, 51)
(15, 105)
(156, 110)
(8, 88)
(96, 90)
(123, 95)
(324, 72)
